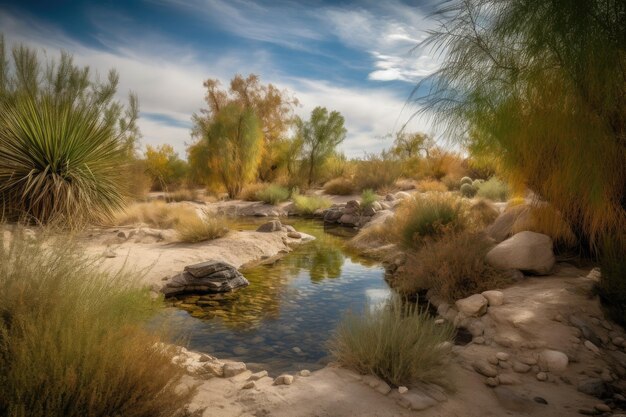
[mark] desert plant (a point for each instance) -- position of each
(184, 194)
(368, 197)
(74, 341)
(543, 218)
(493, 189)
(466, 180)
(376, 172)
(428, 217)
(339, 186)
(272, 194)
(165, 168)
(249, 191)
(431, 185)
(468, 190)
(155, 214)
(200, 228)
(482, 214)
(398, 342)
(453, 267)
(308, 205)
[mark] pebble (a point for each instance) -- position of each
(296, 349)
(493, 360)
(587, 412)
(257, 376)
(542, 376)
(484, 368)
(284, 380)
(602, 408)
(305, 372)
(402, 389)
(521, 368)
(383, 388)
(503, 356)
(492, 382)
(479, 340)
(249, 385)
(589, 345)
(440, 321)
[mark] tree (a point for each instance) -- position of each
(233, 146)
(320, 136)
(409, 145)
(540, 86)
(164, 166)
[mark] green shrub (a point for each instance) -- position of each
(339, 186)
(194, 229)
(494, 189)
(468, 190)
(368, 197)
(307, 205)
(272, 194)
(73, 340)
(398, 343)
(453, 267)
(466, 180)
(476, 183)
(428, 217)
(376, 173)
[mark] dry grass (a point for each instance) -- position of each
(339, 186)
(194, 229)
(155, 214)
(273, 194)
(249, 192)
(376, 172)
(545, 219)
(398, 342)
(482, 214)
(493, 189)
(184, 194)
(431, 185)
(453, 267)
(73, 341)
(308, 205)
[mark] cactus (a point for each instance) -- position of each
(468, 190)
(466, 180)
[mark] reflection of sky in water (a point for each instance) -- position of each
(282, 321)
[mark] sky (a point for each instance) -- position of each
(356, 57)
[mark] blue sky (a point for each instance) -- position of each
(356, 57)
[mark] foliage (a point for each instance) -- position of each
(64, 140)
(408, 145)
(368, 197)
(428, 217)
(249, 192)
(431, 185)
(398, 342)
(376, 172)
(339, 186)
(466, 180)
(543, 218)
(308, 205)
(493, 189)
(73, 340)
(139, 182)
(539, 87)
(320, 136)
(482, 214)
(440, 163)
(184, 194)
(272, 194)
(164, 167)
(453, 267)
(155, 214)
(612, 286)
(467, 190)
(200, 228)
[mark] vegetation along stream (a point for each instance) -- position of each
(283, 319)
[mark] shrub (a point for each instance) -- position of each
(307, 205)
(156, 214)
(493, 189)
(398, 342)
(612, 285)
(467, 190)
(73, 340)
(272, 194)
(376, 172)
(249, 192)
(368, 197)
(451, 183)
(193, 229)
(428, 217)
(476, 183)
(466, 180)
(182, 195)
(431, 185)
(482, 214)
(453, 267)
(339, 186)
(543, 219)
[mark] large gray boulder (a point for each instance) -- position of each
(205, 277)
(526, 251)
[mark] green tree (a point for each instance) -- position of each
(164, 166)
(540, 85)
(319, 136)
(409, 145)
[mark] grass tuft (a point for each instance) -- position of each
(339, 186)
(307, 205)
(194, 229)
(368, 197)
(493, 189)
(272, 194)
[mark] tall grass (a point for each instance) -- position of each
(272, 194)
(155, 214)
(376, 172)
(339, 186)
(73, 341)
(399, 343)
(493, 189)
(368, 197)
(308, 205)
(200, 228)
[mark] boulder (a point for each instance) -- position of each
(553, 361)
(205, 277)
(233, 368)
(349, 220)
(294, 235)
(332, 215)
(526, 251)
(377, 206)
(495, 298)
(368, 211)
(472, 306)
(501, 228)
(271, 226)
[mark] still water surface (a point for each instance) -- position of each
(282, 321)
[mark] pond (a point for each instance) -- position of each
(282, 321)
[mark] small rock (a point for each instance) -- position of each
(271, 226)
(587, 412)
(553, 360)
(589, 345)
(473, 306)
(503, 356)
(595, 387)
(383, 388)
(540, 400)
(542, 376)
(416, 401)
(492, 382)
(122, 235)
(439, 321)
(257, 376)
(305, 373)
(109, 253)
(284, 380)
(618, 341)
(233, 368)
(294, 235)
(521, 368)
(528, 360)
(494, 298)
(603, 408)
(249, 385)
(402, 389)
(296, 349)
(508, 379)
(493, 360)
(484, 368)
(479, 340)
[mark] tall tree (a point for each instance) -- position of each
(408, 145)
(319, 136)
(540, 85)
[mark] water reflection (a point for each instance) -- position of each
(282, 320)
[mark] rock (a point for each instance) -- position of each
(521, 368)
(503, 356)
(249, 385)
(305, 373)
(494, 298)
(402, 389)
(271, 226)
(484, 368)
(476, 328)
(526, 251)
(416, 401)
(402, 195)
(109, 253)
(439, 321)
(372, 381)
(383, 388)
(540, 400)
(595, 274)
(508, 379)
(603, 408)
(542, 376)
(377, 206)
(296, 349)
(479, 340)
(553, 361)
(389, 197)
(512, 401)
(595, 387)
(332, 215)
(294, 235)
(122, 235)
(233, 368)
(492, 382)
(349, 220)
(587, 411)
(472, 306)
(618, 341)
(589, 345)
(586, 331)
(527, 360)
(257, 376)
(205, 277)
(493, 360)
(285, 379)
(368, 211)
(500, 229)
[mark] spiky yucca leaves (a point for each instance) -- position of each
(59, 161)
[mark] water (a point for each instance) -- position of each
(282, 321)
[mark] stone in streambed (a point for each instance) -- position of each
(233, 368)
